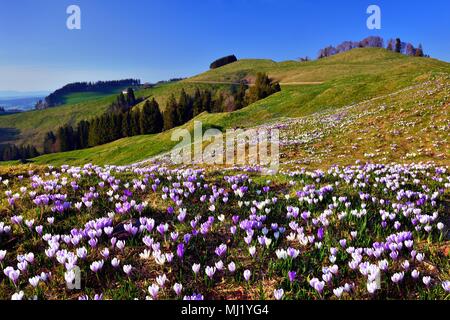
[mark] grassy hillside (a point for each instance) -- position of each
(33, 125)
(30, 127)
(365, 61)
(386, 128)
(346, 79)
(80, 97)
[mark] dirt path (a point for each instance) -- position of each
(237, 83)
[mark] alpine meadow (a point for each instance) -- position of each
(133, 187)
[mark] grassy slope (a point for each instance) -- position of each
(355, 62)
(33, 125)
(409, 125)
(80, 97)
(375, 72)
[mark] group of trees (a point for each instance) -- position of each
(405, 48)
(180, 111)
(223, 61)
(186, 107)
(372, 42)
(12, 152)
(120, 121)
(57, 97)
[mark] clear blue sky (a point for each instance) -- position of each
(159, 39)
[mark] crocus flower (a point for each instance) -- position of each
(34, 281)
(96, 266)
(127, 269)
(397, 277)
(14, 275)
(177, 287)
(338, 291)
(17, 296)
(153, 290)
(292, 275)
(180, 250)
(210, 271)
(69, 276)
(115, 262)
(372, 287)
(247, 275)
(2, 255)
(196, 268)
(219, 265)
(220, 250)
(278, 294)
(161, 280)
(426, 280)
(446, 285)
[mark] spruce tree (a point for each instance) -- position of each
(264, 87)
(398, 45)
(126, 125)
(136, 123)
(131, 99)
(49, 142)
(419, 51)
(197, 103)
(170, 114)
(151, 118)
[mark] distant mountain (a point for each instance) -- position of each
(19, 103)
(11, 95)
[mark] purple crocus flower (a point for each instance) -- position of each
(220, 250)
(292, 275)
(320, 233)
(180, 250)
(96, 266)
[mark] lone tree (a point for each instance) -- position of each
(398, 45)
(151, 118)
(419, 51)
(264, 87)
(223, 61)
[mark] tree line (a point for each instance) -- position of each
(56, 98)
(12, 152)
(118, 122)
(395, 45)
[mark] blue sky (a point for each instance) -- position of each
(159, 39)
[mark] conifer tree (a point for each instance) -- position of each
(136, 123)
(170, 114)
(151, 118)
(197, 103)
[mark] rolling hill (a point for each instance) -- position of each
(307, 88)
(30, 127)
(366, 74)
